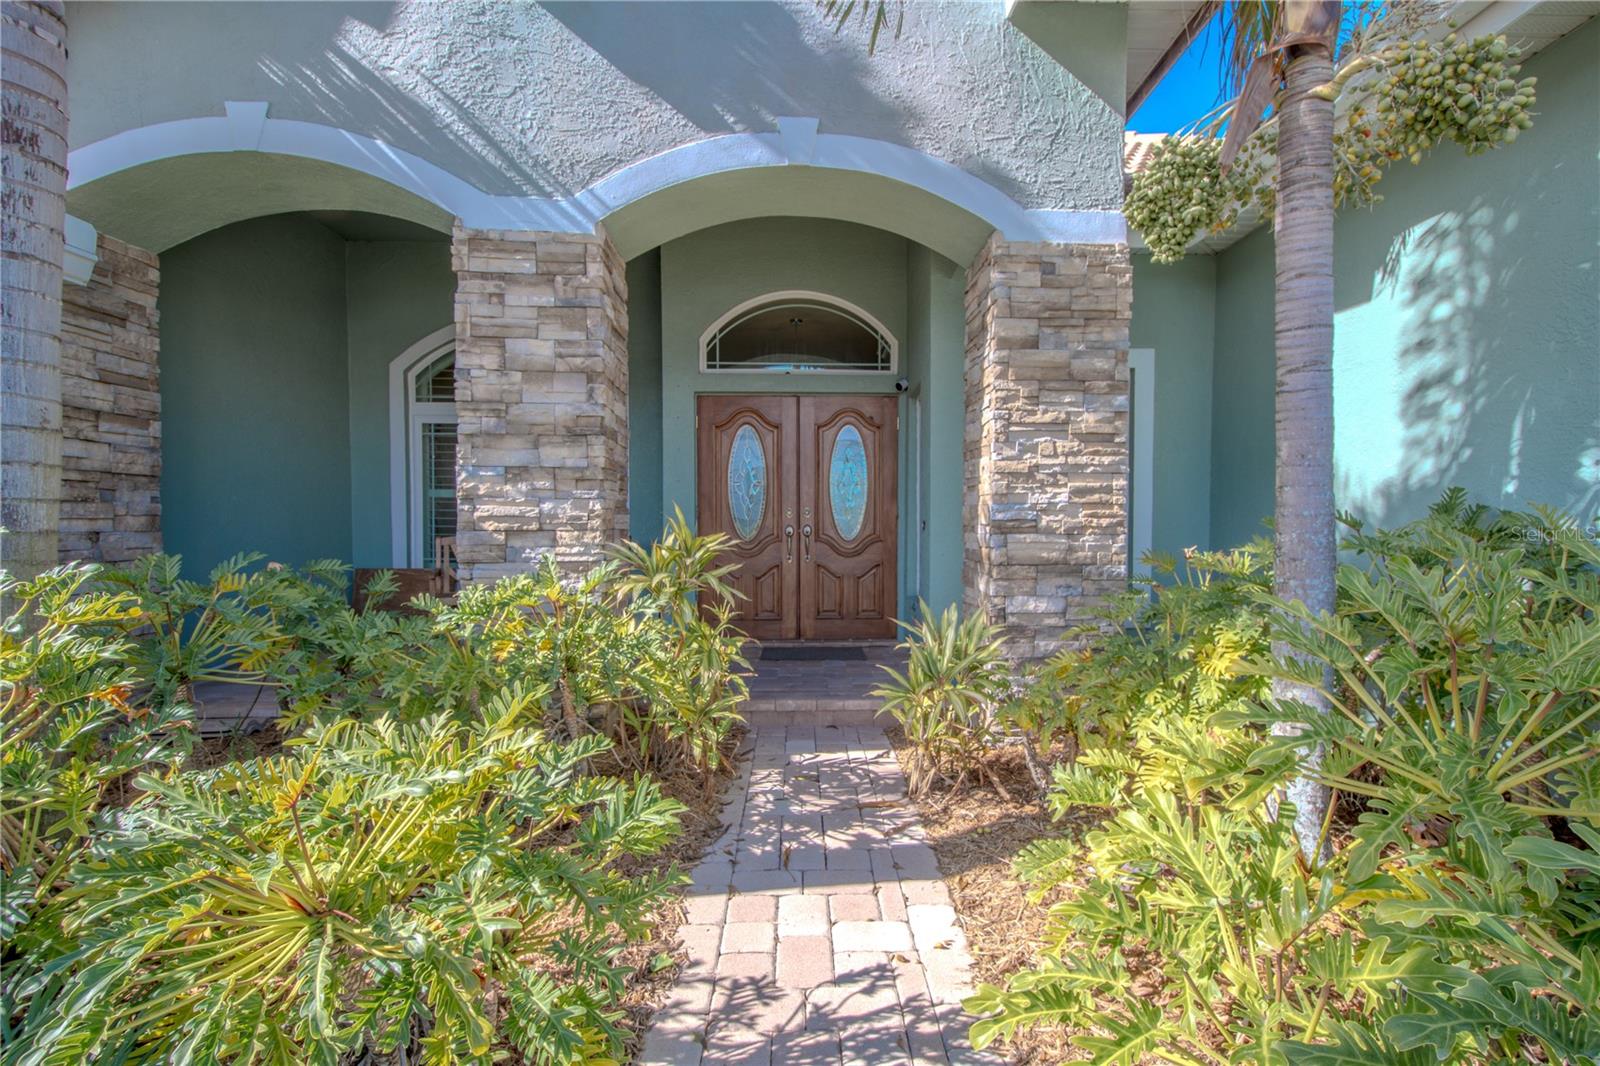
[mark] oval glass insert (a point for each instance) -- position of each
(847, 482)
(747, 481)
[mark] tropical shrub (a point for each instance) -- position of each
(441, 861)
(560, 632)
(374, 881)
(1168, 647)
(945, 700)
(1456, 917)
(73, 732)
(696, 686)
(229, 628)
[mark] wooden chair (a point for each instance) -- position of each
(446, 567)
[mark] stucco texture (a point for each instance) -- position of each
(1467, 332)
(547, 99)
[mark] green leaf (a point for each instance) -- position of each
(1383, 824)
(1547, 854)
(1131, 1038)
(1354, 1044)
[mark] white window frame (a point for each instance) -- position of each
(1142, 460)
(812, 297)
(406, 419)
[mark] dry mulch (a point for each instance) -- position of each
(977, 833)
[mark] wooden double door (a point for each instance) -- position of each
(804, 487)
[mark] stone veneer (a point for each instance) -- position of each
(541, 399)
(111, 409)
(1046, 471)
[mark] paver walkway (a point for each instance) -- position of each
(819, 930)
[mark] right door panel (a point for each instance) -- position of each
(848, 515)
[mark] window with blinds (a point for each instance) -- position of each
(438, 485)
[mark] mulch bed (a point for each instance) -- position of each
(655, 963)
(977, 833)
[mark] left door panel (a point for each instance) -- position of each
(748, 450)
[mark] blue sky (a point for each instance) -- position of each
(1190, 89)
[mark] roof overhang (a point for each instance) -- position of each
(1159, 31)
(1087, 37)
(1119, 49)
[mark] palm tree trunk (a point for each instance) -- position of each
(33, 215)
(1306, 560)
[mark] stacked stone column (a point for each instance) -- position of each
(111, 409)
(541, 399)
(1047, 458)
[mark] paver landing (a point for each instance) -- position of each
(819, 930)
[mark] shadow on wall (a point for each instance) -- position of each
(732, 80)
(1465, 363)
(387, 77)
(350, 91)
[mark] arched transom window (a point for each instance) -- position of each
(797, 332)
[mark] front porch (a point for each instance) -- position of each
(805, 684)
(353, 385)
(823, 684)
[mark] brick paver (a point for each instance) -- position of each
(819, 931)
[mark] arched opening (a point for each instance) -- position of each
(277, 339)
(286, 285)
(747, 193)
(842, 338)
(160, 204)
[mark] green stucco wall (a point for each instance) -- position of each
(255, 424)
(1173, 315)
(398, 292)
(644, 397)
(1467, 344)
(277, 334)
(1241, 392)
(707, 273)
(935, 414)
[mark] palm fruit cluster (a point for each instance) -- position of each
(1455, 89)
(1410, 96)
(1182, 192)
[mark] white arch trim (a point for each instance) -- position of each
(826, 300)
(402, 374)
(246, 127)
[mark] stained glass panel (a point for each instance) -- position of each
(747, 482)
(847, 482)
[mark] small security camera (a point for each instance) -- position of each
(902, 385)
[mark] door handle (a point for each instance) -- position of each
(805, 531)
(788, 544)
